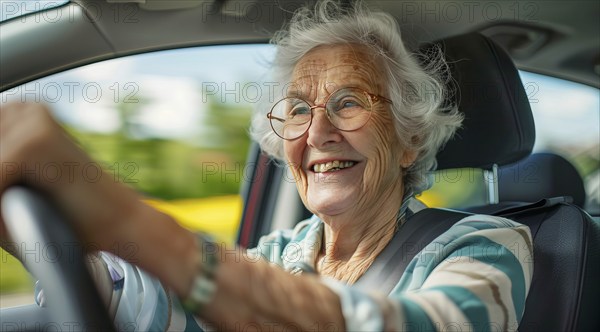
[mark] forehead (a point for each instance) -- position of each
(331, 67)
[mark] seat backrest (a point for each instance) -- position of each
(539, 176)
(565, 293)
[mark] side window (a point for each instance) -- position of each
(567, 123)
(171, 124)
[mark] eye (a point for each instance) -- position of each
(345, 103)
(349, 102)
(298, 108)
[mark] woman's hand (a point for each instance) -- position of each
(29, 141)
(107, 215)
(37, 152)
(25, 131)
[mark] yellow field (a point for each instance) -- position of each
(219, 216)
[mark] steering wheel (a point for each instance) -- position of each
(51, 252)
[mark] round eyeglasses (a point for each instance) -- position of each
(347, 109)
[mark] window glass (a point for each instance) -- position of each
(567, 123)
(172, 124)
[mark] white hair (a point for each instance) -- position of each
(424, 121)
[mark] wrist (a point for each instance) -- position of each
(156, 243)
(202, 286)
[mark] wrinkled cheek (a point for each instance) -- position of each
(293, 153)
(374, 176)
(380, 173)
(374, 185)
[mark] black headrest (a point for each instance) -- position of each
(541, 175)
(498, 126)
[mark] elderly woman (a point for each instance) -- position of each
(359, 124)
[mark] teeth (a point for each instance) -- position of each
(332, 166)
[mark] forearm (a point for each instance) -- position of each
(156, 243)
(111, 216)
(251, 293)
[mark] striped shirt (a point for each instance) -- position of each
(473, 277)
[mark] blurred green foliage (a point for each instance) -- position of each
(211, 163)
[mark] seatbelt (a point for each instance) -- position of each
(417, 232)
(386, 270)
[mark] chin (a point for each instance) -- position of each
(331, 203)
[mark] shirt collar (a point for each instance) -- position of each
(300, 255)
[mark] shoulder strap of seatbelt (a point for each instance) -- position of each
(417, 232)
(386, 270)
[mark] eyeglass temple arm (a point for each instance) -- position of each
(376, 98)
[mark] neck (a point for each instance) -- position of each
(352, 242)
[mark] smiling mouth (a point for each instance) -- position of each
(332, 166)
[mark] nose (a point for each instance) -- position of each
(322, 132)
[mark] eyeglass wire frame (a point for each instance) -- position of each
(373, 99)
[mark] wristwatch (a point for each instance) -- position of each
(204, 285)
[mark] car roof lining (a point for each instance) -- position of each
(99, 36)
(580, 38)
(105, 30)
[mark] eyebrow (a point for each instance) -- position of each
(295, 94)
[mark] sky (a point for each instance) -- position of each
(169, 84)
(564, 112)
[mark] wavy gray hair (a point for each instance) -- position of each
(423, 121)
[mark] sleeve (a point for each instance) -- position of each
(135, 300)
(141, 303)
(474, 277)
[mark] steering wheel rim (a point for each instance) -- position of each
(51, 252)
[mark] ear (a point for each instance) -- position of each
(407, 158)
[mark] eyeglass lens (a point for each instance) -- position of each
(347, 109)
